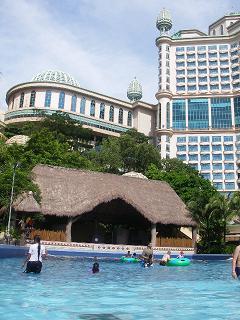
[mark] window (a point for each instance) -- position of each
(191, 79)
(181, 148)
(82, 105)
(228, 157)
(218, 185)
(201, 48)
(182, 157)
(217, 157)
(32, 99)
(181, 139)
(129, 119)
(102, 111)
(180, 56)
(213, 71)
(193, 139)
(179, 114)
(191, 64)
(193, 148)
(201, 55)
(111, 114)
(217, 166)
(192, 88)
(61, 100)
(179, 72)
(217, 176)
(180, 88)
(216, 139)
(21, 100)
(223, 63)
(224, 78)
(202, 63)
(229, 185)
(221, 31)
(212, 55)
(190, 48)
(214, 33)
(191, 71)
(205, 157)
(229, 166)
(216, 147)
(229, 176)
(212, 48)
(223, 54)
(202, 71)
(228, 138)
(205, 166)
(193, 157)
(212, 63)
(204, 139)
(120, 116)
(74, 103)
(203, 88)
(48, 97)
(180, 64)
(206, 176)
(223, 47)
(214, 86)
(221, 113)
(198, 113)
(204, 148)
(179, 49)
(214, 79)
(92, 108)
(224, 70)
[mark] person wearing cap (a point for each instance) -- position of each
(236, 263)
(147, 254)
(181, 255)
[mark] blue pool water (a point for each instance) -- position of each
(66, 289)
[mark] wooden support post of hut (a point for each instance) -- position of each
(153, 234)
(194, 238)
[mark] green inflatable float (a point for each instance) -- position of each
(132, 260)
(174, 262)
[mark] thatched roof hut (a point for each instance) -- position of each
(72, 192)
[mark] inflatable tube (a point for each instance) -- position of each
(178, 262)
(126, 259)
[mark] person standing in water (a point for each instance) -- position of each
(147, 255)
(236, 263)
(34, 258)
(95, 267)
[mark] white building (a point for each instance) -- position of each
(197, 118)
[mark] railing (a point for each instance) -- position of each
(48, 235)
(174, 242)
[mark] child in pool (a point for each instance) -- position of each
(95, 267)
(181, 255)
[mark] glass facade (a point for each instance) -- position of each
(221, 113)
(179, 114)
(198, 113)
(237, 111)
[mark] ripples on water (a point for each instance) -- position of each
(66, 289)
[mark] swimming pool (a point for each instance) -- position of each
(66, 289)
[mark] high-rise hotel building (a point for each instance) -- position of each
(198, 114)
(197, 117)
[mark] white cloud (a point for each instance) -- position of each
(102, 43)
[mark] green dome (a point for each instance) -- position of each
(134, 91)
(55, 76)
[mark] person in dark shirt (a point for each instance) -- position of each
(95, 267)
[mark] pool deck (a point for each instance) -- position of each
(104, 251)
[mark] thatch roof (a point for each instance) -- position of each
(71, 192)
(26, 203)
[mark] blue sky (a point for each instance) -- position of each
(103, 44)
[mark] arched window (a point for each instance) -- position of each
(12, 102)
(221, 30)
(21, 100)
(102, 111)
(61, 100)
(48, 97)
(82, 105)
(74, 103)
(120, 116)
(92, 108)
(32, 99)
(168, 115)
(129, 119)
(214, 32)
(111, 114)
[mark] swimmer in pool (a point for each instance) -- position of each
(95, 267)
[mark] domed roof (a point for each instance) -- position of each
(18, 139)
(55, 76)
(164, 21)
(134, 91)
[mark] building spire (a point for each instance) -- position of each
(164, 22)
